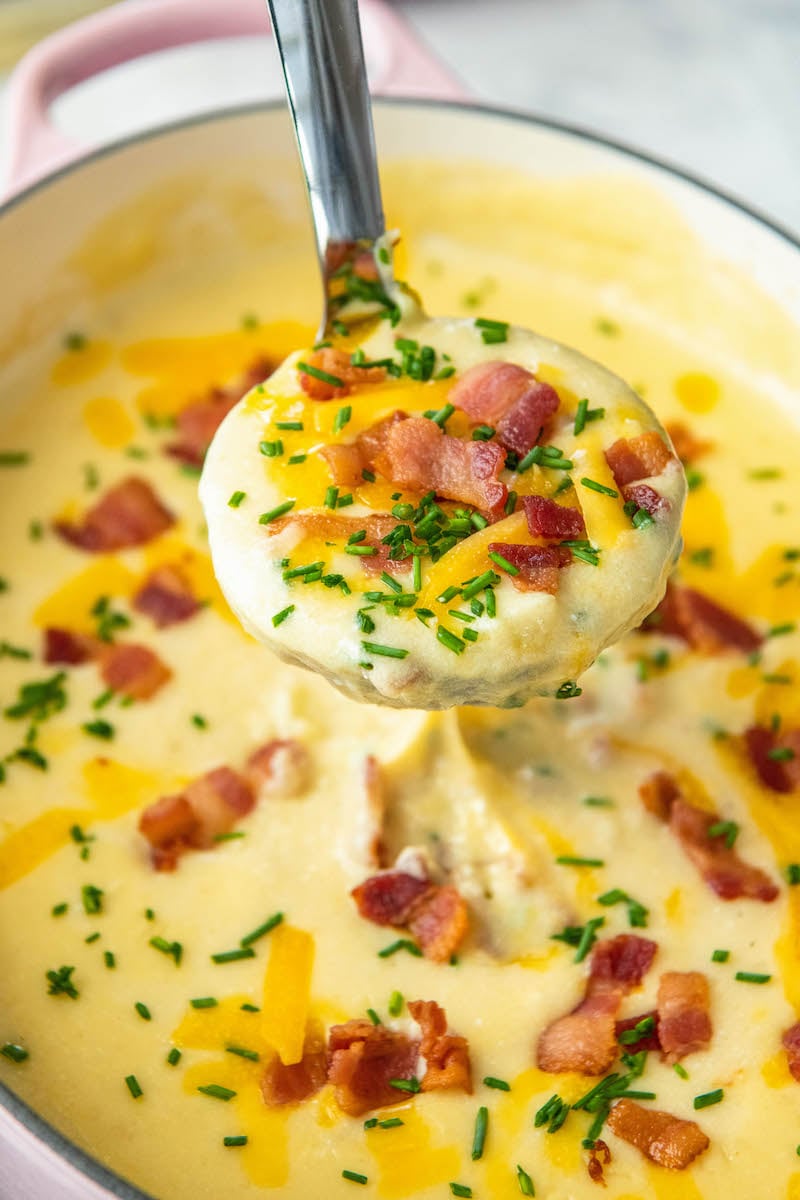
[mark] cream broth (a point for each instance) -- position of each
(504, 793)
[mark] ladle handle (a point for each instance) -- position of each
(326, 81)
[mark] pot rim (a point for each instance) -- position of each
(61, 1146)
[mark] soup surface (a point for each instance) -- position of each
(633, 850)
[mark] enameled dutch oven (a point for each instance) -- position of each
(59, 192)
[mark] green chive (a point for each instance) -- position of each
(342, 417)
(99, 729)
(503, 563)
(361, 551)
(395, 1004)
(598, 801)
(109, 960)
(240, 1139)
(174, 1056)
(289, 425)
(792, 875)
(598, 487)
(59, 909)
(390, 1123)
(92, 898)
(479, 1136)
(240, 1051)
(217, 1091)
(751, 977)
(281, 616)
(271, 449)
(728, 830)
(444, 414)
(331, 496)
(708, 1098)
(569, 860)
(450, 640)
(400, 944)
(17, 1054)
(383, 651)
(680, 1070)
(525, 1182)
(14, 458)
(132, 1084)
(262, 930)
(143, 1011)
(251, 1008)
(720, 956)
(405, 1085)
(354, 1177)
(228, 956)
(204, 1002)
(267, 517)
(322, 376)
(295, 459)
(588, 938)
(461, 1189)
(568, 690)
(482, 433)
(500, 1084)
(236, 499)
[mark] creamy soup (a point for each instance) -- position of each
(184, 816)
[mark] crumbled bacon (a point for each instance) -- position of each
(418, 454)
(447, 1062)
(645, 497)
(166, 596)
(684, 1018)
(669, 1141)
(388, 898)
(791, 1044)
(68, 648)
(584, 1040)
(333, 527)
(642, 457)
(281, 1084)
(729, 876)
(538, 566)
(775, 757)
(548, 519)
(362, 1059)
(336, 363)
(699, 621)
(510, 399)
(436, 915)
(349, 460)
(687, 447)
(129, 514)
(594, 1166)
(193, 819)
(133, 670)
(199, 420)
(365, 267)
(645, 1041)
(281, 767)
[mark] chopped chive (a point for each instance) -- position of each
(204, 1002)
(92, 898)
(598, 801)
(680, 1070)
(239, 1139)
(491, 1081)
(271, 449)
(568, 690)
(14, 458)
(297, 425)
(361, 551)
(400, 944)
(132, 1084)
(751, 977)
(569, 860)
(708, 1098)
(143, 1011)
(368, 476)
(461, 1189)
(17, 1054)
(331, 496)
(354, 1177)
(281, 616)
(294, 459)
(217, 1091)
(322, 376)
(273, 514)
(345, 501)
(792, 875)
(228, 956)
(174, 1056)
(588, 938)
(728, 830)
(487, 579)
(236, 499)
(479, 1136)
(373, 1016)
(720, 956)
(405, 1085)
(262, 930)
(109, 960)
(525, 1182)
(99, 729)
(58, 910)
(594, 486)
(241, 1052)
(765, 473)
(383, 651)
(450, 640)
(443, 415)
(395, 1004)
(503, 563)
(390, 1123)
(482, 433)
(92, 938)
(342, 417)
(251, 1008)
(417, 583)
(149, 914)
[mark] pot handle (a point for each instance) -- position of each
(37, 147)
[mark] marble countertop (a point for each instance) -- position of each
(710, 85)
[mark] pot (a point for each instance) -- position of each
(59, 193)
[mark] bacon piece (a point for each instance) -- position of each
(687, 447)
(791, 1044)
(669, 1141)
(778, 774)
(684, 1018)
(133, 670)
(439, 921)
(548, 519)
(171, 827)
(646, 497)
(594, 1166)
(336, 363)
(729, 876)
(281, 1085)
(538, 565)
(69, 648)
(129, 514)
(362, 1058)
(218, 799)
(389, 898)
(349, 460)
(447, 1062)
(166, 596)
(333, 527)
(584, 1040)
(704, 625)
(419, 455)
(200, 419)
(647, 1041)
(642, 457)
(281, 767)
(510, 399)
